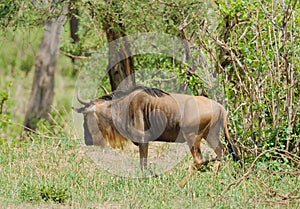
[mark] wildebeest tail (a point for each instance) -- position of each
(231, 148)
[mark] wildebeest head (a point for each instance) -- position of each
(92, 134)
(98, 128)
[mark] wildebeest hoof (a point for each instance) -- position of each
(148, 172)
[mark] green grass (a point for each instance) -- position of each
(56, 171)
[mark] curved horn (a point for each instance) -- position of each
(104, 89)
(84, 102)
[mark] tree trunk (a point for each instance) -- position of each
(42, 92)
(74, 24)
(120, 66)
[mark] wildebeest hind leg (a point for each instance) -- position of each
(197, 154)
(194, 142)
(213, 139)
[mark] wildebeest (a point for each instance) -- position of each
(145, 114)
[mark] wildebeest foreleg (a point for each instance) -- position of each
(138, 123)
(143, 149)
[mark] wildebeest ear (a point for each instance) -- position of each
(92, 133)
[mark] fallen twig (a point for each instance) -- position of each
(236, 182)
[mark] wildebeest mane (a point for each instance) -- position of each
(152, 91)
(155, 92)
(114, 138)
